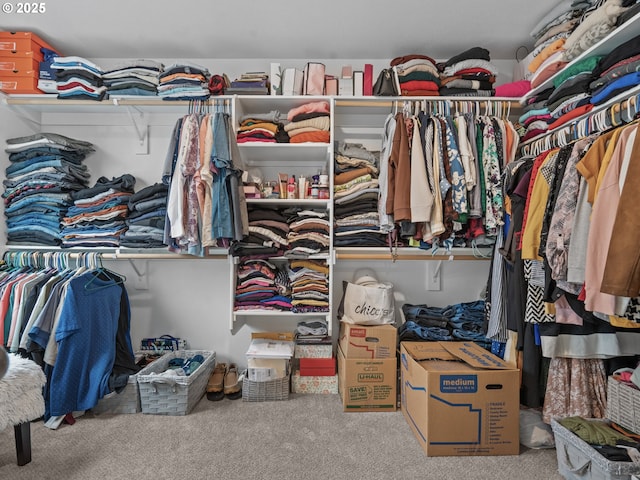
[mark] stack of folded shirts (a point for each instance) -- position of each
(535, 103)
(262, 127)
(469, 73)
(136, 77)
(417, 75)
(97, 217)
(309, 123)
(146, 217)
(616, 72)
(184, 81)
(308, 232)
(550, 34)
(78, 78)
(309, 285)
(45, 170)
(357, 221)
(267, 226)
(595, 24)
(261, 285)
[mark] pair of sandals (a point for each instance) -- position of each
(224, 381)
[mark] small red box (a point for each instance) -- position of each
(317, 367)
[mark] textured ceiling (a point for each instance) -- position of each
(280, 29)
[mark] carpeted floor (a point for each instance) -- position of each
(305, 437)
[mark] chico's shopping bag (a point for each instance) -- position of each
(367, 302)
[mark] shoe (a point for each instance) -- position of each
(232, 387)
(215, 385)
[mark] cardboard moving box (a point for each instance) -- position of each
(367, 384)
(368, 341)
(459, 399)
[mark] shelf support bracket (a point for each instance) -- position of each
(141, 280)
(142, 130)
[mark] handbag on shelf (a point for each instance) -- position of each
(385, 85)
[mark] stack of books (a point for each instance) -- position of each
(250, 83)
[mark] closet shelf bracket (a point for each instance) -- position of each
(33, 118)
(141, 278)
(141, 124)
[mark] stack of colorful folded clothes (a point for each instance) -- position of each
(184, 81)
(78, 78)
(357, 221)
(262, 127)
(616, 72)
(309, 285)
(97, 217)
(417, 75)
(136, 78)
(261, 285)
(309, 122)
(45, 169)
(469, 73)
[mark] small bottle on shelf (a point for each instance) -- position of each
(291, 188)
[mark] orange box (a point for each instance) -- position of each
(18, 64)
(19, 83)
(19, 43)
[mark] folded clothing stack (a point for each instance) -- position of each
(135, 77)
(97, 217)
(309, 122)
(262, 127)
(469, 73)
(417, 75)
(308, 232)
(309, 285)
(146, 215)
(45, 169)
(261, 285)
(184, 81)
(78, 78)
(356, 210)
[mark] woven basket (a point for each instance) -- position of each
(265, 391)
(127, 401)
(161, 395)
(623, 405)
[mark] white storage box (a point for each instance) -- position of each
(577, 460)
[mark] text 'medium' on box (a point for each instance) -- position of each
(459, 399)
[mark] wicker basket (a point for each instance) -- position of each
(265, 391)
(127, 401)
(161, 395)
(623, 405)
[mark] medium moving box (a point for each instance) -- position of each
(368, 341)
(459, 399)
(367, 384)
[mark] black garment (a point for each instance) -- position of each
(628, 49)
(573, 86)
(473, 52)
(123, 183)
